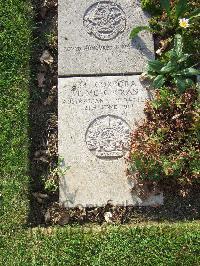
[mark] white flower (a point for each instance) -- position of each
(184, 23)
(108, 217)
(159, 51)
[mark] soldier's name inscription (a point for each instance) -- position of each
(124, 94)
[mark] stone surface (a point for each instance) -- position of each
(94, 37)
(96, 117)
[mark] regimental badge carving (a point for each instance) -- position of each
(108, 137)
(104, 20)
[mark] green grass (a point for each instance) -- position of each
(15, 51)
(176, 244)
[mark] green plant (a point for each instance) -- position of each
(151, 6)
(51, 182)
(51, 39)
(165, 146)
(174, 69)
(171, 23)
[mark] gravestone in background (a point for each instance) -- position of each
(99, 105)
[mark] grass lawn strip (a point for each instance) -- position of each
(176, 244)
(15, 41)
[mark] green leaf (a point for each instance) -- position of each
(159, 81)
(195, 12)
(154, 66)
(183, 58)
(189, 72)
(197, 15)
(173, 56)
(181, 8)
(135, 31)
(189, 82)
(165, 4)
(168, 68)
(183, 84)
(178, 44)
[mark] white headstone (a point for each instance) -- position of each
(94, 37)
(96, 118)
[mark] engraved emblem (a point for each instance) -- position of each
(108, 137)
(104, 20)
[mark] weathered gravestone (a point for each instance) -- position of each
(94, 37)
(98, 113)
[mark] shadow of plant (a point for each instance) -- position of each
(43, 106)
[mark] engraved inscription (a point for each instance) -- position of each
(108, 137)
(104, 20)
(118, 95)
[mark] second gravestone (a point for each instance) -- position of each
(98, 113)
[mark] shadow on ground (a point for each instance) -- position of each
(42, 109)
